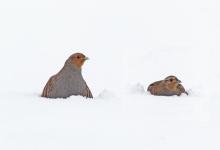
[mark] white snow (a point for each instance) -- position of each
(130, 45)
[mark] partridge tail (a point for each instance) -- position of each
(149, 87)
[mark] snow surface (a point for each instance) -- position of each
(130, 44)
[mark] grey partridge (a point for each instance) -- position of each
(168, 87)
(68, 81)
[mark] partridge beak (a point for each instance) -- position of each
(86, 58)
(179, 81)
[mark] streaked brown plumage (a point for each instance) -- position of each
(167, 87)
(68, 81)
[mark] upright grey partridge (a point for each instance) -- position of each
(68, 81)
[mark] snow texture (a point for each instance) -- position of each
(130, 45)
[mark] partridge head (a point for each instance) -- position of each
(77, 59)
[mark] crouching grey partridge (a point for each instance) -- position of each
(168, 87)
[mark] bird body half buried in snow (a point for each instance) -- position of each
(168, 87)
(68, 81)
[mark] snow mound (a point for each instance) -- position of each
(106, 94)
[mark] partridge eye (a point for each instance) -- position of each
(171, 80)
(78, 57)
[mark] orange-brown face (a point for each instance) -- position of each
(172, 80)
(78, 59)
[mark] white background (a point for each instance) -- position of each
(130, 45)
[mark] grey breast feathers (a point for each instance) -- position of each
(66, 83)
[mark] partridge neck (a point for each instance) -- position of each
(73, 68)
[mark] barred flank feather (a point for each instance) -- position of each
(182, 89)
(47, 88)
(88, 92)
